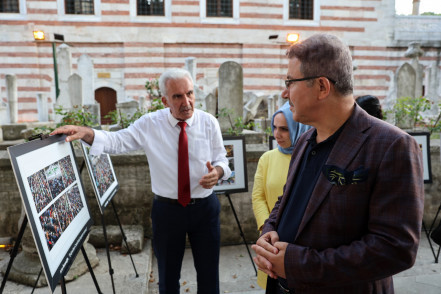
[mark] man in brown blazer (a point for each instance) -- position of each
(351, 212)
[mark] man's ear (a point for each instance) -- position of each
(164, 101)
(324, 87)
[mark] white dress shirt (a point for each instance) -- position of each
(158, 134)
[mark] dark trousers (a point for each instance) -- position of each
(200, 221)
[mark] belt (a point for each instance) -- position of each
(175, 201)
(284, 290)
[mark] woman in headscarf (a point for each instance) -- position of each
(272, 169)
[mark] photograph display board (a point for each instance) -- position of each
(54, 200)
(238, 181)
(272, 143)
(102, 176)
(423, 139)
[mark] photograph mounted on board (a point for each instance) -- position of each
(423, 140)
(102, 175)
(237, 182)
(54, 200)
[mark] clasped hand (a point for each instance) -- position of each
(270, 255)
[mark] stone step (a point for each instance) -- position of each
(134, 237)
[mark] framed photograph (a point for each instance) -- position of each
(272, 142)
(54, 200)
(238, 181)
(423, 139)
(102, 175)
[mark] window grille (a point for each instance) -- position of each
(150, 7)
(220, 8)
(9, 6)
(78, 6)
(301, 9)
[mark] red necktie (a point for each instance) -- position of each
(183, 168)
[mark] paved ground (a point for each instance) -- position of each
(125, 280)
(236, 274)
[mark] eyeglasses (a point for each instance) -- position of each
(290, 81)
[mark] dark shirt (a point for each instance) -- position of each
(310, 169)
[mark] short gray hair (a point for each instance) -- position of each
(325, 55)
(172, 74)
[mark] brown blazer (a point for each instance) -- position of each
(354, 237)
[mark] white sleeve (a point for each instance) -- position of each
(219, 153)
(98, 143)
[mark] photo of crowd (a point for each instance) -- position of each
(102, 173)
(60, 215)
(41, 193)
(67, 171)
(75, 202)
(51, 226)
(60, 175)
(47, 183)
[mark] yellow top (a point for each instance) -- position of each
(269, 180)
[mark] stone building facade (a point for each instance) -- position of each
(127, 48)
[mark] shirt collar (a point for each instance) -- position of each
(173, 121)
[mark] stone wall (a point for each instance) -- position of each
(134, 198)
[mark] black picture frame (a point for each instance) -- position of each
(272, 143)
(102, 176)
(423, 139)
(54, 201)
(236, 155)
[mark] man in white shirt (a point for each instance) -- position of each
(173, 218)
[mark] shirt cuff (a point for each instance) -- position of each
(227, 171)
(98, 143)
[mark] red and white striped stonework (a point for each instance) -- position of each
(127, 49)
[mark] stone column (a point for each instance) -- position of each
(210, 103)
(406, 81)
(271, 104)
(74, 85)
(432, 91)
(280, 101)
(191, 66)
(64, 62)
(85, 70)
(11, 87)
(3, 114)
(414, 52)
(230, 95)
(416, 7)
(142, 103)
(42, 108)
